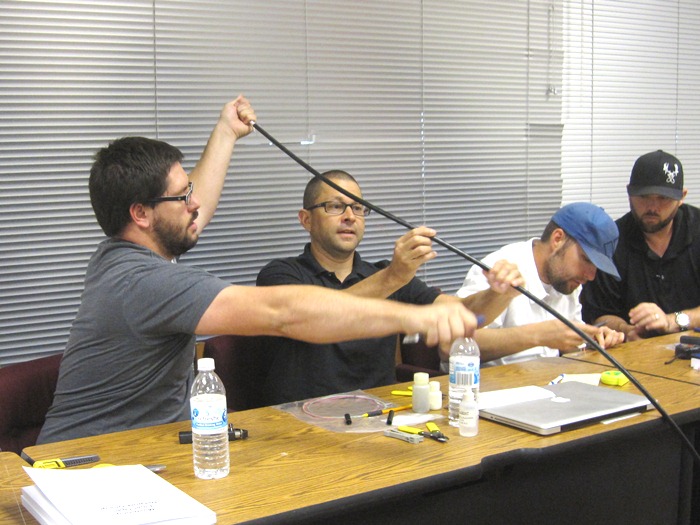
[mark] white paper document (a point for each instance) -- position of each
(121, 495)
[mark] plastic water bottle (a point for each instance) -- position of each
(468, 415)
(209, 423)
(464, 373)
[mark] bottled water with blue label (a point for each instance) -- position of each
(209, 423)
(464, 373)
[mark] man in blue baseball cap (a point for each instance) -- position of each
(579, 240)
(657, 257)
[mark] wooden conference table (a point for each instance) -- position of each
(631, 471)
(647, 356)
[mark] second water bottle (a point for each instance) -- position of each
(464, 373)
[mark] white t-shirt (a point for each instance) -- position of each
(522, 310)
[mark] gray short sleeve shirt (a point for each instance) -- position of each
(129, 358)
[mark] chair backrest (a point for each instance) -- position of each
(26, 393)
(242, 364)
(417, 357)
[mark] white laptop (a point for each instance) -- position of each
(554, 408)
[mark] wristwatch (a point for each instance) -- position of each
(683, 321)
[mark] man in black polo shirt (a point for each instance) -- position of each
(658, 257)
(336, 225)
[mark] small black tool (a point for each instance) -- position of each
(234, 434)
(690, 340)
(685, 351)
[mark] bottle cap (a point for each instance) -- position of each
(421, 378)
(468, 396)
(205, 364)
(434, 386)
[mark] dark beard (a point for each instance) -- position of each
(174, 241)
(562, 286)
(653, 228)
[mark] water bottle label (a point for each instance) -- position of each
(209, 414)
(464, 374)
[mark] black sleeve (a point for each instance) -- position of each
(416, 292)
(280, 271)
(602, 296)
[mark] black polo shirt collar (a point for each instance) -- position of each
(360, 269)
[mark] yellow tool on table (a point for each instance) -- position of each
(432, 433)
(66, 462)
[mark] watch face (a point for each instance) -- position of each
(683, 320)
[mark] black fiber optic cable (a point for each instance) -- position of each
(589, 340)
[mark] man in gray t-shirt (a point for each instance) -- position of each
(128, 363)
(129, 357)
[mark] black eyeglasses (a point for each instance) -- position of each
(187, 197)
(338, 208)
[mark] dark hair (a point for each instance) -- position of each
(313, 187)
(129, 170)
(547, 233)
(549, 229)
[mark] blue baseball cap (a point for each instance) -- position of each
(594, 230)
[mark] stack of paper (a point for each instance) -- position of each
(126, 495)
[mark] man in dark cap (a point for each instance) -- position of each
(658, 257)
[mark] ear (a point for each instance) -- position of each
(305, 219)
(141, 215)
(685, 194)
(557, 239)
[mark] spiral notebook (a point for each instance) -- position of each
(565, 406)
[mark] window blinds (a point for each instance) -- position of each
(631, 69)
(448, 113)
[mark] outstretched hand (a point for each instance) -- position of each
(441, 323)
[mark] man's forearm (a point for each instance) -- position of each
(379, 285)
(487, 303)
(495, 343)
(615, 323)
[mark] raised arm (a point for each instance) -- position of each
(210, 172)
(411, 251)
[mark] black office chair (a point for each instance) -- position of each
(242, 364)
(26, 393)
(417, 357)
